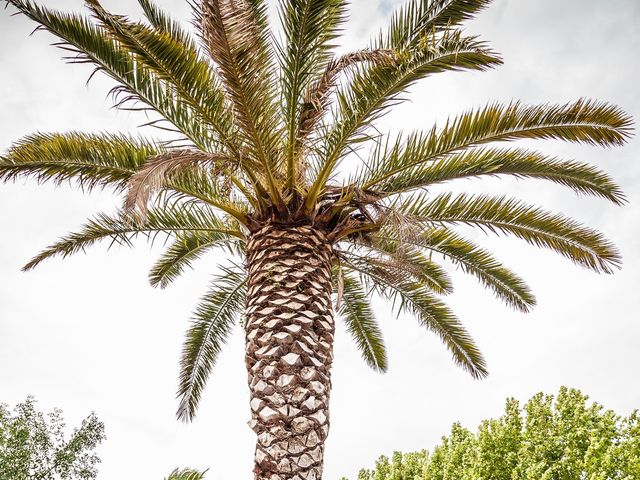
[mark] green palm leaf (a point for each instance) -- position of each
(121, 231)
(136, 82)
(582, 121)
(473, 260)
(189, 76)
(419, 17)
(162, 22)
(212, 322)
(188, 247)
(375, 88)
(415, 299)
(94, 161)
(309, 28)
(361, 324)
(408, 165)
(404, 261)
(534, 225)
(186, 474)
(109, 160)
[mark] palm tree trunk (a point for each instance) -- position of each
(289, 349)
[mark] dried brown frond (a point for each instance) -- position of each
(316, 100)
(396, 265)
(158, 170)
(227, 25)
(407, 229)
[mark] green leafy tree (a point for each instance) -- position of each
(259, 128)
(34, 446)
(565, 438)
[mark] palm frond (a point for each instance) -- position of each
(186, 474)
(318, 95)
(565, 236)
(420, 17)
(361, 324)
(401, 166)
(404, 261)
(121, 231)
(189, 77)
(582, 121)
(93, 160)
(159, 170)
(212, 322)
(107, 160)
(202, 186)
(437, 317)
(137, 84)
(415, 299)
(374, 88)
(188, 247)
(309, 26)
(472, 259)
(237, 42)
(162, 22)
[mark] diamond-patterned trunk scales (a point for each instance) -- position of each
(289, 343)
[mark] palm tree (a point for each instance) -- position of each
(259, 128)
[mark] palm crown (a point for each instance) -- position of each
(259, 128)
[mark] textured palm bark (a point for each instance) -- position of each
(289, 349)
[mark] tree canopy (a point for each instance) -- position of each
(34, 446)
(561, 438)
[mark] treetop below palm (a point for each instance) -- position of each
(259, 128)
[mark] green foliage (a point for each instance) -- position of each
(355, 309)
(138, 86)
(162, 22)
(408, 25)
(373, 89)
(186, 474)
(212, 322)
(121, 231)
(309, 27)
(415, 298)
(34, 446)
(93, 161)
(472, 259)
(405, 165)
(532, 224)
(173, 58)
(565, 438)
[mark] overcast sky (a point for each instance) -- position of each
(89, 333)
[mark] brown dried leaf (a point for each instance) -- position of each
(158, 170)
(317, 98)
